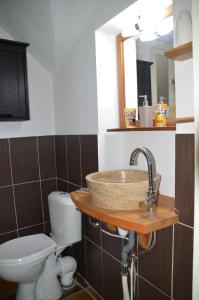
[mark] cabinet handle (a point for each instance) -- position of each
(93, 223)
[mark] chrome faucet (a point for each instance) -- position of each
(152, 193)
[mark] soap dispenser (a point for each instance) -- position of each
(145, 113)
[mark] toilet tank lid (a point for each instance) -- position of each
(63, 198)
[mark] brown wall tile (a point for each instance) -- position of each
(47, 156)
(112, 283)
(62, 185)
(79, 254)
(89, 155)
(183, 260)
(92, 233)
(73, 159)
(155, 266)
(28, 204)
(94, 266)
(8, 236)
(185, 177)
(72, 187)
(61, 162)
(47, 228)
(32, 230)
(111, 244)
(5, 170)
(24, 156)
(47, 186)
(148, 292)
(7, 210)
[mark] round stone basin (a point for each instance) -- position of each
(119, 189)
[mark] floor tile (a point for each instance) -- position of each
(93, 292)
(83, 295)
(7, 290)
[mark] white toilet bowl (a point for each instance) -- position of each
(22, 261)
(34, 262)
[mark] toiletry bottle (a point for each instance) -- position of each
(161, 113)
(145, 113)
(145, 101)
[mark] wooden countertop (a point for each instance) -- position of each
(129, 220)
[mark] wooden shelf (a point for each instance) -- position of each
(174, 121)
(154, 128)
(129, 220)
(170, 127)
(180, 53)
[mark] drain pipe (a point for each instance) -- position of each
(125, 251)
(48, 285)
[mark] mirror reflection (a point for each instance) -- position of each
(155, 73)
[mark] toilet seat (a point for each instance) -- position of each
(26, 249)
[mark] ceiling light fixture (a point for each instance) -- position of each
(149, 27)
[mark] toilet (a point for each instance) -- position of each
(34, 261)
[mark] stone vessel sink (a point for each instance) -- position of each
(119, 189)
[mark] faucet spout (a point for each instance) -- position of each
(151, 172)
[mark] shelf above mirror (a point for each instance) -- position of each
(180, 53)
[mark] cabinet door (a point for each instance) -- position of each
(144, 80)
(13, 86)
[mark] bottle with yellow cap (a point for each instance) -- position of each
(161, 112)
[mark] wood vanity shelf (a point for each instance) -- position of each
(129, 220)
(170, 127)
(180, 53)
(154, 128)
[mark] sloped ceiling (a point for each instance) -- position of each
(51, 26)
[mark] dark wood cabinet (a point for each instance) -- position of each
(13, 81)
(144, 80)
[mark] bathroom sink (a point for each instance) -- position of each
(120, 189)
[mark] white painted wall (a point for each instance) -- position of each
(115, 150)
(183, 77)
(107, 81)
(40, 103)
(75, 89)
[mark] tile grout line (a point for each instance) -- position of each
(66, 156)
(103, 250)
(85, 254)
(87, 291)
(66, 181)
(182, 224)
(41, 194)
(80, 157)
(154, 286)
(21, 228)
(101, 254)
(4, 233)
(172, 261)
(55, 162)
(13, 191)
(27, 182)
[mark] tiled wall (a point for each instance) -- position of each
(165, 272)
(28, 174)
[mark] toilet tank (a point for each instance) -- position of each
(65, 219)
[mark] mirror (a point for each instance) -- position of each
(155, 73)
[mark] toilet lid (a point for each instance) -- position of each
(26, 249)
